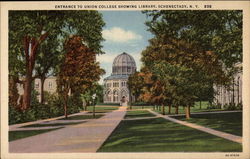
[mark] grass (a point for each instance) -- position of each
(108, 104)
(15, 135)
(160, 135)
(195, 108)
(102, 109)
(138, 114)
(82, 117)
(181, 109)
(226, 122)
(52, 124)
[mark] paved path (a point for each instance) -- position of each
(85, 137)
(212, 112)
(201, 128)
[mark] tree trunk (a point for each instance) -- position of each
(187, 108)
(233, 93)
(177, 110)
(169, 109)
(27, 92)
(163, 109)
(65, 106)
(42, 89)
(94, 110)
(30, 50)
(66, 103)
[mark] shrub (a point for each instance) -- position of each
(140, 104)
(214, 106)
(233, 106)
(37, 111)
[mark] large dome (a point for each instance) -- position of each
(124, 64)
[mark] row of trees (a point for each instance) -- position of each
(190, 52)
(41, 44)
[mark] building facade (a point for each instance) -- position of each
(49, 86)
(232, 94)
(115, 85)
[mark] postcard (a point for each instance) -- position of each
(125, 79)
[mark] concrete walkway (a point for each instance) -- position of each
(85, 137)
(212, 112)
(224, 135)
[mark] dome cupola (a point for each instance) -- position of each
(124, 64)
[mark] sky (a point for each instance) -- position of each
(124, 31)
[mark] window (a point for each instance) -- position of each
(116, 84)
(129, 69)
(37, 85)
(123, 83)
(50, 85)
(115, 96)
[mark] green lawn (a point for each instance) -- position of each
(102, 109)
(160, 135)
(226, 122)
(52, 124)
(14, 135)
(138, 114)
(82, 117)
(195, 108)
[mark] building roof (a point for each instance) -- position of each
(123, 64)
(112, 77)
(124, 59)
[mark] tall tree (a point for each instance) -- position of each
(79, 71)
(28, 30)
(135, 84)
(217, 31)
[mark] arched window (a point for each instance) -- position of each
(108, 96)
(115, 96)
(124, 93)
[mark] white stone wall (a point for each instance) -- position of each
(233, 94)
(114, 90)
(49, 86)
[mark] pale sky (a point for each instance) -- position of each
(125, 31)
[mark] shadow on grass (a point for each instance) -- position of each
(226, 122)
(159, 135)
(81, 117)
(52, 124)
(15, 135)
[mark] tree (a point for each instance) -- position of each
(217, 31)
(135, 84)
(47, 61)
(79, 71)
(28, 30)
(189, 46)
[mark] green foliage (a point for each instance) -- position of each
(233, 106)
(217, 31)
(46, 31)
(38, 111)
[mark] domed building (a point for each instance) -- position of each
(115, 86)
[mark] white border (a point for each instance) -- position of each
(217, 5)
